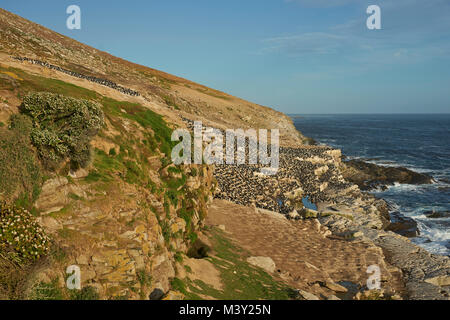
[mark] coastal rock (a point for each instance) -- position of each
(404, 226)
(370, 176)
(308, 213)
(417, 266)
(336, 154)
(437, 214)
(320, 171)
(294, 215)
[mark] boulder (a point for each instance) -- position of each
(370, 176)
(404, 226)
(307, 296)
(265, 263)
(335, 287)
(79, 174)
(156, 294)
(437, 214)
(308, 213)
(294, 215)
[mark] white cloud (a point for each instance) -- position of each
(412, 30)
(306, 43)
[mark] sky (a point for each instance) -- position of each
(296, 56)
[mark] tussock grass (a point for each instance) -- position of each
(20, 172)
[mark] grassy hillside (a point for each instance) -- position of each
(20, 37)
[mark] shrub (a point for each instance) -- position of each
(21, 234)
(112, 152)
(62, 127)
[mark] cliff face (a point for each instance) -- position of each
(124, 219)
(124, 238)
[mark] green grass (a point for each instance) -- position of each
(75, 197)
(20, 171)
(47, 291)
(145, 117)
(86, 293)
(178, 257)
(188, 269)
(52, 291)
(144, 278)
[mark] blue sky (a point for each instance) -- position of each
(297, 56)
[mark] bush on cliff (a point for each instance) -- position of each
(62, 127)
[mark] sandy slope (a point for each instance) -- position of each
(305, 257)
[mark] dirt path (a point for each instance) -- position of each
(303, 255)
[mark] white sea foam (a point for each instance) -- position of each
(395, 164)
(399, 187)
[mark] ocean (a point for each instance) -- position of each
(420, 142)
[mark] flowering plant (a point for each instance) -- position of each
(20, 232)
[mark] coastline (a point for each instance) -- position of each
(426, 275)
(402, 159)
(344, 211)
